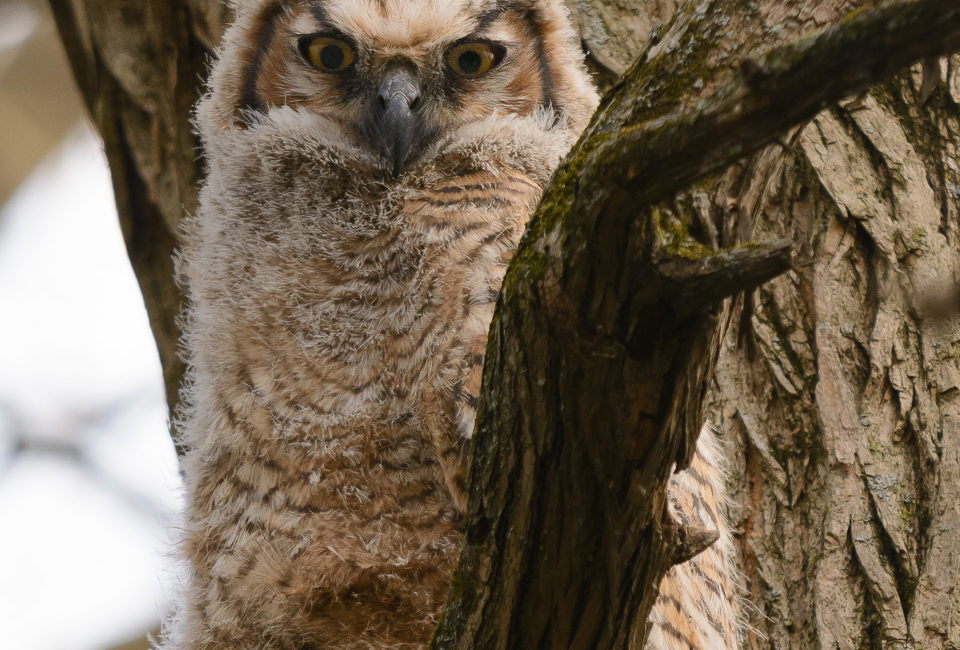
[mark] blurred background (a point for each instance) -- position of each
(89, 489)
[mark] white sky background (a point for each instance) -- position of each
(86, 508)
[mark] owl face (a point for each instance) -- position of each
(395, 75)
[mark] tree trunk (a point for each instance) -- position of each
(836, 392)
(139, 65)
(845, 426)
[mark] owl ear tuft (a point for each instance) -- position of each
(573, 90)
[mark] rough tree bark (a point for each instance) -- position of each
(140, 67)
(845, 426)
(840, 419)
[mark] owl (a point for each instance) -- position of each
(371, 165)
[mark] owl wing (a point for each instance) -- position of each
(474, 221)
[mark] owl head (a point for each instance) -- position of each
(394, 76)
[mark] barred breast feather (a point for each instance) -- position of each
(337, 333)
(698, 603)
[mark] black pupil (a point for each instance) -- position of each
(470, 62)
(331, 56)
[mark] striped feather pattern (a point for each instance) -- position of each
(697, 607)
(336, 332)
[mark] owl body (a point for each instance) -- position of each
(366, 189)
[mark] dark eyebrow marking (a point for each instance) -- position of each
(250, 99)
(546, 78)
(488, 17)
(320, 13)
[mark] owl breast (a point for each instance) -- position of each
(340, 325)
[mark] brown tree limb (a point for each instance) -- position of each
(597, 366)
(654, 155)
(699, 282)
(139, 66)
(690, 542)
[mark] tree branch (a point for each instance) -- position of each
(701, 282)
(603, 343)
(139, 66)
(654, 156)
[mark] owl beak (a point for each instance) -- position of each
(397, 117)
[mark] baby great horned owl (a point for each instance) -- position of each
(372, 164)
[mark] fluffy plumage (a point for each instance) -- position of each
(339, 300)
(697, 606)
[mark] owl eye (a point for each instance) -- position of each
(474, 59)
(327, 53)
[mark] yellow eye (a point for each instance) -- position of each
(474, 59)
(327, 53)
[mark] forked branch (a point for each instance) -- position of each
(607, 330)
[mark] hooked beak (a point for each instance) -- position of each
(397, 119)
